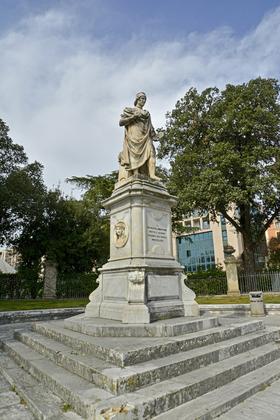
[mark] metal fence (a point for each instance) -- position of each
(267, 281)
(74, 285)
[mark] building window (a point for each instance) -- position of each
(196, 223)
(205, 223)
(196, 251)
(224, 231)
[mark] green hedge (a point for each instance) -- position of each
(210, 282)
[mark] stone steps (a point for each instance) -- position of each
(156, 399)
(165, 328)
(92, 402)
(128, 379)
(154, 376)
(42, 403)
(215, 403)
(129, 351)
(86, 366)
(72, 389)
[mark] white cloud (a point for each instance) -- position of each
(62, 93)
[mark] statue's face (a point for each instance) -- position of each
(141, 101)
(119, 231)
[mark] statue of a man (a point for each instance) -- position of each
(138, 155)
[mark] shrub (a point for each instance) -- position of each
(210, 282)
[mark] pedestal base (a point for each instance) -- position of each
(142, 282)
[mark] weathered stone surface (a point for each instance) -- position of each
(8, 398)
(231, 264)
(50, 278)
(7, 317)
(265, 404)
(142, 282)
(237, 309)
(72, 389)
(129, 351)
(166, 328)
(120, 380)
(16, 412)
(214, 403)
(168, 372)
(4, 386)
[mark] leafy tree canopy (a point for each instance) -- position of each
(59, 234)
(224, 152)
(96, 189)
(21, 185)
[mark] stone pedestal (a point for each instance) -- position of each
(142, 281)
(50, 278)
(231, 264)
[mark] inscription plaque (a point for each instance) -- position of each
(157, 234)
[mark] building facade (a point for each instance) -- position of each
(202, 246)
(10, 257)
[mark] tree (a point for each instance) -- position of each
(21, 185)
(274, 254)
(97, 236)
(225, 157)
(72, 235)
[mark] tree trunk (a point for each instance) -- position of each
(249, 245)
(249, 256)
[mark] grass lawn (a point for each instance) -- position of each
(23, 305)
(234, 300)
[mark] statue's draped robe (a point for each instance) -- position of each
(138, 140)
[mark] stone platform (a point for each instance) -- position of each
(183, 368)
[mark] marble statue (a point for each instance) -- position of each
(138, 155)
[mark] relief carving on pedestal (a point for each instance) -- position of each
(136, 277)
(120, 234)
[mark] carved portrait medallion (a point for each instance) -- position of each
(120, 234)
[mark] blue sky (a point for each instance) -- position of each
(160, 18)
(68, 67)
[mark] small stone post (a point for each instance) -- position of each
(50, 277)
(231, 271)
(256, 304)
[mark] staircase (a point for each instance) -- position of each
(182, 368)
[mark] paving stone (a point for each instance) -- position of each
(16, 412)
(128, 351)
(215, 403)
(8, 398)
(174, 375)
(163, 328)
(41, 401)
(120, 380)
(263, 405)
(70, 388)
(4, 385)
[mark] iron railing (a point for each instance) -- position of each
(268, 281)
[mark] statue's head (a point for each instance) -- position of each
(140, 96)
(120, 229)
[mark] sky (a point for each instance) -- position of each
(69, 67)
